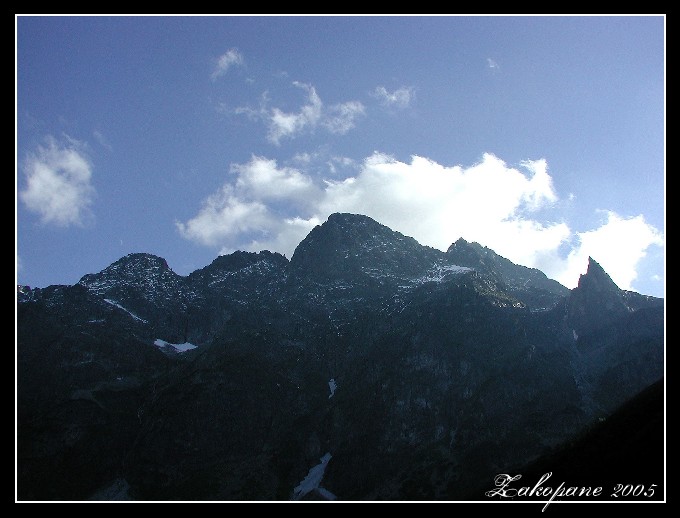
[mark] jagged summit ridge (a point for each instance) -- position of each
(345, 248)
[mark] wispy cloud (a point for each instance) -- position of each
(302, 158)
(254, 114)
(338, 119)
(283, 124)
(227, 60)
(318, 159)
(102, 140)
(272, 207)
(400, 98)
(342, 161)
(341, 117)
(58, 183)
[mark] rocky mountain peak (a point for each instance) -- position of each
(596, 278)
(597, 301)
(468, 254)
(131, 266)
(136, 277)
(140, 262)
(356, 246)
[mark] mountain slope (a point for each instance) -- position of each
(420, 372)
(529, 284)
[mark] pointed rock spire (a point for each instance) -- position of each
(596, 302)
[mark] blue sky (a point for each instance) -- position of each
(542, 138)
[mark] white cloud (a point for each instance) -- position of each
(267, 207)
(400, 98)
(225, 217)
(249, 213)
(284, 124)
(58, 183)
(260, 179)
(227, 60)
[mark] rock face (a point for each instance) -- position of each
(596, 292)
(531, 285)
(445, 369)
(615, 330)
(356, 248)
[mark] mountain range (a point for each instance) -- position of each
(366, 367)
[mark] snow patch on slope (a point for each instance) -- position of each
(313, 479)
(441, 272)
(114, 303)
(179, 348)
